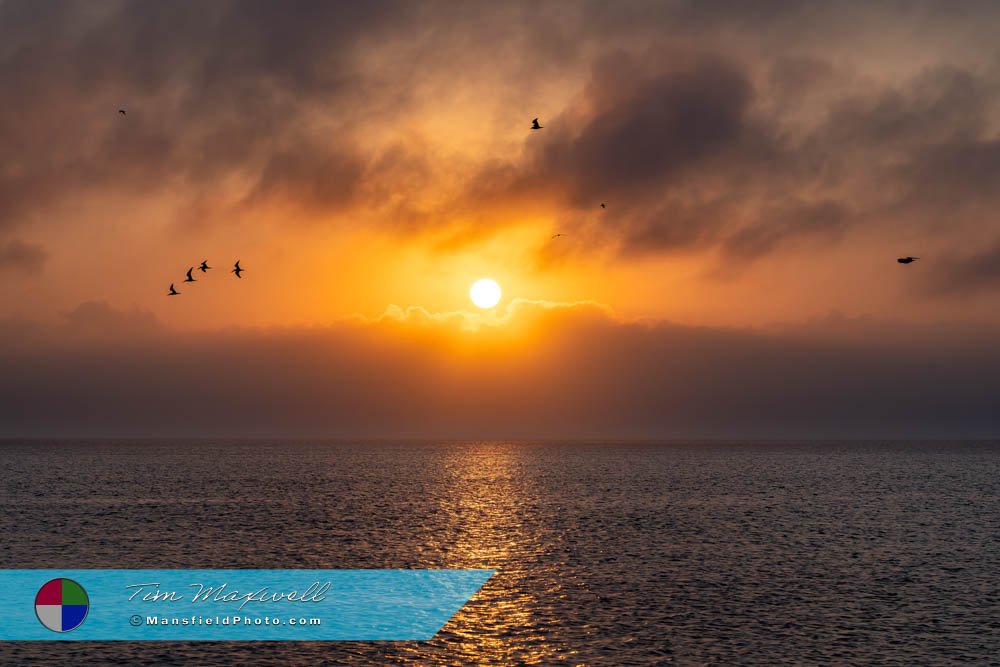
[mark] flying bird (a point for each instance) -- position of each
(535, 125)
(555, 236)
(121, 111)
(172, 291)
(204, 266)
(907, 260)
(603, 205)
(237, 270)
(190, 278)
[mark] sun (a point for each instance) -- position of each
(485, 293)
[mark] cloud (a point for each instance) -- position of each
(696, 144)
(953, 275)
(645, 129)
(647, 135)
(786, 221)
(17, 255)
(285, 98)
(502, 316)
(550, 370)
(99, 319)
(695, 153)
(700, 151)
(211, 94)
(320, 179)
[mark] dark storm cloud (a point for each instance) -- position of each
(312, 178)
(673, 224)
(647, 131)
(790, 76)
(696, 153)
(210, 91)
(588, 375)
(784, 222)
(18, 255)
(675, 144)
(964, 273)
(942, 104)
(952, 175)
(715, 12)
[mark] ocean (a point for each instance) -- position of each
(688, 553)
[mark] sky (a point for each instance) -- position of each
(762, 165)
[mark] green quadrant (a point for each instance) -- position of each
(72, 593)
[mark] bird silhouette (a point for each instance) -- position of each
(172, 291)
(190, 278)
(535, 125)
(555, 236)
(603, 206)
(907, 260)
(204, 266)
(237, 270)
(121, 111)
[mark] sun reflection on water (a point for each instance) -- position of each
(490, 516)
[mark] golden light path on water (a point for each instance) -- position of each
(490, 515)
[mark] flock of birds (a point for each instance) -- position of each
(237, 270)
(204, 268)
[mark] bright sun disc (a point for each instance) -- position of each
(485, 293)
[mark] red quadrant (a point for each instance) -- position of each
(50, 593)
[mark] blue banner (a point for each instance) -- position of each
(232, 605)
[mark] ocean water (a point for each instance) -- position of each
(607, 554)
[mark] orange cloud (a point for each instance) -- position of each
(474, 320)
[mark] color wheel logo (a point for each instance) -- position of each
(61, 605)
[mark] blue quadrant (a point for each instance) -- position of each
(73, 615)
